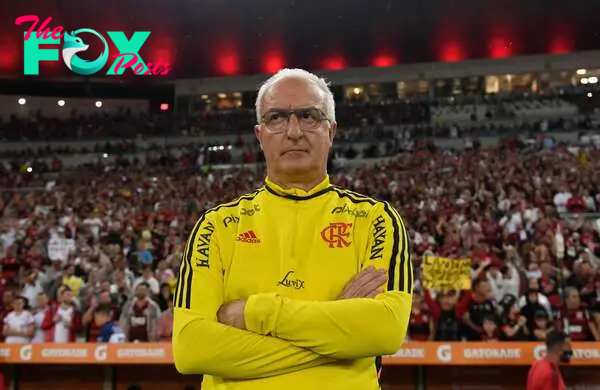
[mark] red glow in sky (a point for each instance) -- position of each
(384, 60)
(452, 52)
(8, 55)
(560, 44)
(165, 55)
(8, 60)
(272, 62)
(499, 47)
(336, 62)
(163, 48)
(228, 63)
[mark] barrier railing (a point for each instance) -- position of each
(486, 354)
(412, 353)
(416, 366)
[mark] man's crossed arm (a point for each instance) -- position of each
(268, 335)
(330, 328)
(347, 328)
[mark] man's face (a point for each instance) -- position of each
(489, 326)
(573, 300)
(42, 300)
(585, 269)
(119, 277)
(485, 289)
(417, 302)
(18, 304)
(67, 296)
(533, 284)
(7, 298)
(564, 350)
(541, 323)
(105, 285)
(104, 297)
(294, 152)
(141, 292)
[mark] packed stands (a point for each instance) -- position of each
(113, 228)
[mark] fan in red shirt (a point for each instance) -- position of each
(575, 204)
(9, 265)
(474, 308)
(575, 318)
(93, 330)
(419, 328)
(544, 374)
(62, 321)
(446, 321)
(482, 253)
(8, 297)
(549, 284)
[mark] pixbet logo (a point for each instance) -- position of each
(128, 50)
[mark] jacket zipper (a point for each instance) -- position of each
(294, 231)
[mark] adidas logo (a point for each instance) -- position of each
(248, 237)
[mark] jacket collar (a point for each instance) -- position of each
(297, 193)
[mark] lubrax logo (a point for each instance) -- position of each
(291, 282)
(347, 210)
(250, 212)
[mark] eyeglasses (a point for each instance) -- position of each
(309, 119)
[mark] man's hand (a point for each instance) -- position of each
(232, 314)
(367, 284)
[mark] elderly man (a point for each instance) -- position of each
(299, 284)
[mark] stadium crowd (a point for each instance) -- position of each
(502, 113)
(102, 243)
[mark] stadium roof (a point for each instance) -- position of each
(205, 38)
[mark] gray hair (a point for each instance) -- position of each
(302, 74)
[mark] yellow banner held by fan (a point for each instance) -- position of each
(583, 157)
(442, 273)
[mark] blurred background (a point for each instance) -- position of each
(477, 120)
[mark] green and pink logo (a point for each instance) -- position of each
(128, 56)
